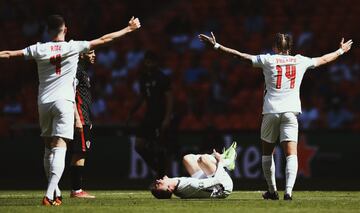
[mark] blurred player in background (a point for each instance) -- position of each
(81, 144)
(155, 90)
(208, 177)
(283, 75)
(57, 63)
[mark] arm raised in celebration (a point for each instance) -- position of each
(134, 24)
(344, 47)
(211, 41)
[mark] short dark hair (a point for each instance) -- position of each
(160, 194)
(54, 24)
(283, 42)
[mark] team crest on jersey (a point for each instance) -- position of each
(88, 143)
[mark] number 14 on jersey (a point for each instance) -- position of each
(290, 73)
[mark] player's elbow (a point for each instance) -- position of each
(321, 61)
(97, 43)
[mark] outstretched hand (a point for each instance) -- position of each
(346, 46)
(208, 40)
(134, 23)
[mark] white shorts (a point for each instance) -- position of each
(57, 119)
(283, 124)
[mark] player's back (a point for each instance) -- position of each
(57, 64)
(283, 75)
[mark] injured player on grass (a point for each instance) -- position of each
(208, 177)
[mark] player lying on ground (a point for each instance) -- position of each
(56, 64)
(283, 75)
(208, 177)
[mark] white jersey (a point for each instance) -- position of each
(56, 65)
(283, 75)
(218, 186)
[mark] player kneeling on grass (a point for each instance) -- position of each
(208, 177)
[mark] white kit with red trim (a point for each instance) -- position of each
(283, 75)
(57, 64)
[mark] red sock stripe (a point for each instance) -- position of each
(79, 103)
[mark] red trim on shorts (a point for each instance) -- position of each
(82, 135)
(78, 104)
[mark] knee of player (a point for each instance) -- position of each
(187, 158)
(202, 159)
(78, 159)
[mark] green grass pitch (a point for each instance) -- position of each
(142, 201)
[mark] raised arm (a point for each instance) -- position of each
(344, 47)
(134, 24)
(11, 54)
(212, 42)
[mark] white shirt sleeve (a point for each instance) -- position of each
(309, 63)
(260, 60)
(30, 52)
(80, 46)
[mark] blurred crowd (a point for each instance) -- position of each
(210, 89)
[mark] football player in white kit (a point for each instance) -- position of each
(283, 74)
(57, 64)
(208, 177)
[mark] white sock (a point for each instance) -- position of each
(226, 162)
(48, 158)
(199, 174)
(268, 166)
(291, 172)
(56, 169)
(213, 159)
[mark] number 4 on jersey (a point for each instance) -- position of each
(56, 61)
(290, 74)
